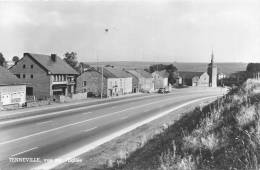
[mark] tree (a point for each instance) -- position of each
(253, 67)
(2, 60)
(159, 67)
(171, 68)
(15, 59)
(80, 68)
(71, 59)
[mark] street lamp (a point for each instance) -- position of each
(102, 74)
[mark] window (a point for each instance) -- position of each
(18, 75)
(84, 83)
(24, 76)
(31, 76)
(84, 90)
(31, 66)
(24, 66)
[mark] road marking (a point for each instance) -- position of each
(125, 117)
(80, 122)
(86, 113)
(44, 122)
(90, 129)
(88, 147)
(24, 151)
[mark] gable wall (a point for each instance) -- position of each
(40, 82)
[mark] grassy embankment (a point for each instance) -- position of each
(222, 135)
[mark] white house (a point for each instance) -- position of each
(160, 79)
(12, 90)
(121, 84)
(115, 82)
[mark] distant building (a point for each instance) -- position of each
(115, 82)
(160, 79)
(212, 72)
(221, 76)
(46, 75)
(12, 90)
(145, 80)
(194, 78)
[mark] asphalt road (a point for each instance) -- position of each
(54, 133)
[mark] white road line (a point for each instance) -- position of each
(76, 123)
(125, 117)
(24, 151)
(44, 122)
(88, 147)
(87, 130)
(86, 113)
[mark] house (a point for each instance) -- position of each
(46, 75)
(135, 82)
(115, 82)
(201, 80)
(160, 79)
(194, 78)
(145, 79)
(12, 90)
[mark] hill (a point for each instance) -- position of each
(226, 68)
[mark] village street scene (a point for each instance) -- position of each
(122, 85)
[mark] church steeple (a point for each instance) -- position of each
(212, 57)
(212, 71)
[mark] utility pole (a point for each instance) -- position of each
(102, 79)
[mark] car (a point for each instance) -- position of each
(161, 90)
(167, 91)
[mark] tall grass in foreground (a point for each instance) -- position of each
(227, 137)
(224, 135)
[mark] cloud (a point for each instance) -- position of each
(12, 15)
(165, 30)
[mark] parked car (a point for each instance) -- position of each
(161, 90)
(167, 91)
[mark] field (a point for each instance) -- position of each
(226, 68)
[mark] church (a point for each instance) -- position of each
(201, 79)
(212, 72)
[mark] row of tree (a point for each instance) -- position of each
(253, 67)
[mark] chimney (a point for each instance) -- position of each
(53, 57)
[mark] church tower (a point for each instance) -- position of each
(212, 71)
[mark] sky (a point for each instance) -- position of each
(137, 30)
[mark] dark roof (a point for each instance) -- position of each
(132, 75)
(117, 72)
(7, 78)
(189, 75)
(54, 67)
(143, 73)
(106, 73)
